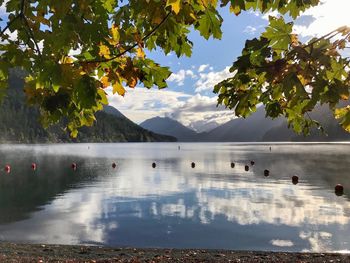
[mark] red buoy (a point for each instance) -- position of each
(33, 166)
(339, 189)
(246, 168)
(7, 168)
(266, 173)
(295, 179)
(74, 166)
(114, 165)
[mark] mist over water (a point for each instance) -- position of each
(174, 205)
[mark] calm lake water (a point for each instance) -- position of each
(174, 205)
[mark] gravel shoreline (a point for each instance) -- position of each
(10, 252)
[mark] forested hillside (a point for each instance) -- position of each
(20, 123)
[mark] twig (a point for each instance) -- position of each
(31, 35)
(21, 14)
(9, 24)
(129, 48)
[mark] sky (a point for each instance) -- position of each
(189, 97)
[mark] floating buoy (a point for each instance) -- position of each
(7, 168)
(193, 165)
(154, 165)
(266, 173)
(246, 168)
(339, 189)
(33, 166)
(114, 165)
(252, 162)
(232, 165)
(295, 179)
(74, 166)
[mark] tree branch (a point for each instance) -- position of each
(9, 24)
(21, 14)
(31, 34)
(129, 48)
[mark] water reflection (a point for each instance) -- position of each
(174, 205)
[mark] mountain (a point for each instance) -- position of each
(203, 126)
(322, 114)
(167, 126)
(113, 111)
(255, 128)
(19, 123)
(251, 129)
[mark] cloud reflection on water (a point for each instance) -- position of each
(211, 196)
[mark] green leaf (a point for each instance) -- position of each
(109, 5)
(209, 24)
(278, 33)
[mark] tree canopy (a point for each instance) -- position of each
(73, 49)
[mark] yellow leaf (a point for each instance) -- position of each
(67, 60)
(175, 5)
(74, 133)
(140, 53)
(236, 10)
(205, 3)
(294, 39)
(105, 82)
(132, 82)
(103, 96)
(302, 80)
(193, 16)
(118, 88)
(341, 112)
(104, 51)
(115, 33)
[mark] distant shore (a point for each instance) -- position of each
(10, 252)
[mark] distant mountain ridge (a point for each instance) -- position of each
(333, 130)
(251, 129)
(255, 128)
(113, 111)
(19, 123)
(168, 126)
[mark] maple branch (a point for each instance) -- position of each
(9, 24)
(129, 48)
(13, 20)
(24, 18)
(31, 34)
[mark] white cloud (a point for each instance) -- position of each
(140, 104)
(199, 110)
(3, 8)
(207, 81)
(180, 76)
(203, 67)
(250, 30)
(270, 13)
(190, 74)
(327, 16)
(281, 243)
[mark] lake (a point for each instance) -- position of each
(174, 205)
